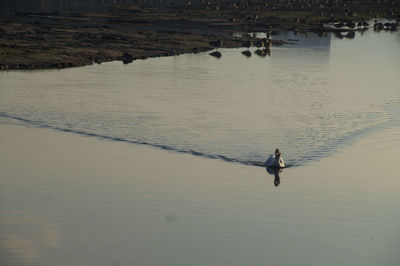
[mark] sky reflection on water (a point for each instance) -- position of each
(308, 99)
(67, 200)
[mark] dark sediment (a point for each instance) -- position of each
(59, 40)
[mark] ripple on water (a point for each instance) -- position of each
(308, 100)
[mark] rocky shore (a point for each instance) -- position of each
(59, 40)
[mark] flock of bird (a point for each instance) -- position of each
(263, 47)
(361, 25)
(351, 27)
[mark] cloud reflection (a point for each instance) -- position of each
(17, 248)
(25, 236)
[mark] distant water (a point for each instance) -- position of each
(309, 98)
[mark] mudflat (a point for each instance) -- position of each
(59, 40)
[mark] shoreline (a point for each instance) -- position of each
(60, 40)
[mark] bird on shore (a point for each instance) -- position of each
(275, 161)
(378, 26)
(259, 44)
(351, 24)
(267, 43)
(362, 24)
(216, 44)
(247, 44)
(268, 34)
(339, 25)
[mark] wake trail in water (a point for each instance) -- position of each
(325, 149)
(41, 124)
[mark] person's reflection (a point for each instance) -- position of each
(276, 172)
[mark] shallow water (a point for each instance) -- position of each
(309, 99)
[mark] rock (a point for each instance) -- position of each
(216, 44)
(247, 44)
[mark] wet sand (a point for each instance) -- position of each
(67, 199)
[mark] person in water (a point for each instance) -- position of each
(275, 161)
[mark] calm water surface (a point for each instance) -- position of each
(69, 200)
(307, 99)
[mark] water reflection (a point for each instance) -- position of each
(216, 54)
(246, 53)
(350, 35)
(322, 34)
(200, 105)
(276, 173)
(26, 236)
(216, 44)
(338, 34)
(263, 52)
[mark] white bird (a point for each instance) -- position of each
(275, 161)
